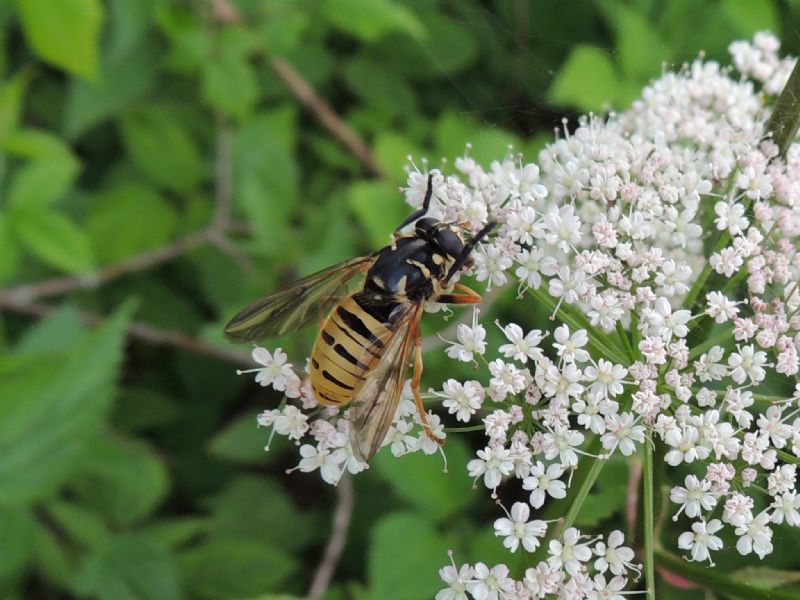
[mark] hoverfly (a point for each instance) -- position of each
(364, 345)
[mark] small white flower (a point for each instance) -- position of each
(568, 552)
(543, 482)
(747, 363)
(694, 498)
(571, 347)
(518, 529)
(613, 556)
(275, 371)
(521, 347)
(471, 341)
(490, 584)
(493, 463)
(701, 540)
(462, 399)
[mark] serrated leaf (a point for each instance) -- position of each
(65, 33)
(378, 207)
(130, 567)
(41, 183)
(404, 544)
(54, 239)
(123, 480)
(128, 219)
(67, 398)
(370, 20)
(162, 149)
(234, 568)
(419, 480)
(587, 80)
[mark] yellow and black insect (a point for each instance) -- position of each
(363, 349)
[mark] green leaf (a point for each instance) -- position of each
(17, 531)
(176, 532)
(128, 219)
(587, 80)
(266, 177)
(123, 480)
(229, 85)
(67, 397)
(235, 568)
(370, 20)
(419, 480)
(391, 152)
(640, 51)
(77, 523)
(130, 567)
(125, 79)
(378, 87)
(404, 558)
(41, 183)
(36, 144)
(241, 441)
(9, 251)
(162, 149)
(766, 577)
(378, 207)
(282, 526)
(751, 16)
(65, 33)
(54, 239)
(55, 333)
(12, 94)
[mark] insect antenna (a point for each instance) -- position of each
(426, 203)
(468, 247)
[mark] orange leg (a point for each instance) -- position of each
(465, 296)
(415, 380)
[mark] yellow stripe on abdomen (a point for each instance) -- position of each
(347, 348)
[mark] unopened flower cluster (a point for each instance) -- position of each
(664, 241)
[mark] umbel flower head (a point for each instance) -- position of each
(664, 242)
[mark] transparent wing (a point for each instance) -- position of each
(297, 305)
(375, 402)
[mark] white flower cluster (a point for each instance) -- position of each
(577, 566)
(664, 241)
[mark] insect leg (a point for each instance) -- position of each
(415, 380)
(426, 203)
(467, 296)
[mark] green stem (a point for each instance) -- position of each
(626, 341)
(649, 521)
(583, 493)
(785, 118)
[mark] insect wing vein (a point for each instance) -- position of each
(297, 305)
(375, 401)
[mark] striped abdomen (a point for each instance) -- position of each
(348, 347)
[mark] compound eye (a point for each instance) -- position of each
(449, 241)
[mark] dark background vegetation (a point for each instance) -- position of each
(161, 165)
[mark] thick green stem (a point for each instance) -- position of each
(649, 521)
(583, 493)
(785, 118)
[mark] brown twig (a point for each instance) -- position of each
(62, 285)
(341, 525)
(326, 115)
(141, 331)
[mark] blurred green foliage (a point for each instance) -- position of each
(134, 470)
